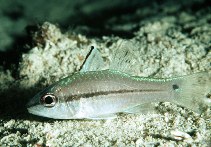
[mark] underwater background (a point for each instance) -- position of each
(43, 41)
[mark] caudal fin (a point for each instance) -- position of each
(193, 91)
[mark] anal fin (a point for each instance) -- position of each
(142, 109)
(106, 116)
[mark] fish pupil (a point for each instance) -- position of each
(48, 100)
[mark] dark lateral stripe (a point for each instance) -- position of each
(92, 94)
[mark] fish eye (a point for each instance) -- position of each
(48, 100)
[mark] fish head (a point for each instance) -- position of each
(51, 103)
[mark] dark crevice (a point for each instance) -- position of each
(158, 136)
(10, 59)
(15, 13)
(97, 22)
(198, 6)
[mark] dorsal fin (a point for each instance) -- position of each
(93, 61)
(126, 57)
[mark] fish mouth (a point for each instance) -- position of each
(31, 103)
(31, 111)
(28, 105)
(38, 111)
(35, 111)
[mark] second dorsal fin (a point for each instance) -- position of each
(126, 57)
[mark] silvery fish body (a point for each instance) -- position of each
(101, 94)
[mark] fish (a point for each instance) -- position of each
(97, 93)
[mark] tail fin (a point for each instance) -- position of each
(193, 91)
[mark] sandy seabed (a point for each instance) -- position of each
(173, 40)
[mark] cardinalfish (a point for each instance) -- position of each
(96, 93)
